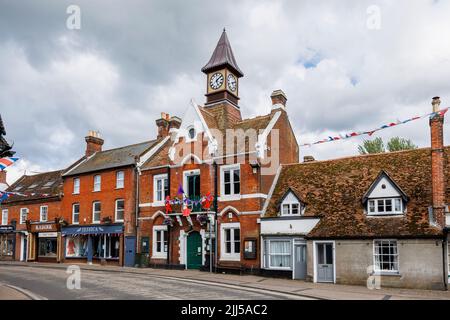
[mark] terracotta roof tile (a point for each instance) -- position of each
(334, 189)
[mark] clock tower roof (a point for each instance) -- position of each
(223, 57)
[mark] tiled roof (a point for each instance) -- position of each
(222, 56)
(112, 158)
(334, 190)
(38, 186)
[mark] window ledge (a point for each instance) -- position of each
(230, 258)
(375, 215)
(159, 256)
(278, 268)
(230, 197)
(387, 273)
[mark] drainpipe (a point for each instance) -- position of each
(168, 226)
(215, 216)
(137, 173)
(444, 259)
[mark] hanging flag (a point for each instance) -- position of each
(168, 205)
(3, 196)
(180, 190)
(186, 211)
(6, 162)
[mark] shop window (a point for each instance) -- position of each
(120, 209)
(76, 247)
(120, 179)
(96, 211)
(7, 244)
(43, 213)
(47, 247)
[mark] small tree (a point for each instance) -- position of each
(397, 144)
(372, 146)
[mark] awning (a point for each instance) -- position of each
(75, 230)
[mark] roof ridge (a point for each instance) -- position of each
(359, 156)
(128, 145)
(254, 118)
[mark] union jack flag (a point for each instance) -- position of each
(6, 162)
(3, 196)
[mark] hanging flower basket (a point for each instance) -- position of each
(168, 221)
(202, 219)
(107, 220)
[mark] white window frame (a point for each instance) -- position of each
(188, 138)
(93, 212)
(73, 213)
(40, 214)
(21, 221)
(76, 185)
(376, 268)
(233, 256)
(4, 217)
(291, 254)
(161, 177)
(97, 183)
(290, 205)
(377, 213)
(155, 254)
(115, 210)
(120, 182)
(231, 168)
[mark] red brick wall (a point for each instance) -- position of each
(107, 196)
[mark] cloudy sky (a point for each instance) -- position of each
(342, 68)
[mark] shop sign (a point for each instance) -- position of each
(7, 228)
(48, 235)
(43, 227)
(92, 230)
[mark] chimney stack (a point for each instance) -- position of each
(2, 177)
(163, 125)
(437, 164)
(279, 99)
(93, 143)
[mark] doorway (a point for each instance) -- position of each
(325, 262)
(194, 250)
(299, 261)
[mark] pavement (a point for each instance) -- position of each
(281, 288)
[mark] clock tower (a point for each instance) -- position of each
(222, 75)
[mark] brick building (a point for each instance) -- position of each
(214, 152)
(30, 219)
(99, 204)
(377, 219)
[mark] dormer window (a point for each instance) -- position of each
(385, 197)
(291, 205)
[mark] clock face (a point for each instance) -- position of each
(232, 83)
(216, 81)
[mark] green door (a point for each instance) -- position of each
(194, 250)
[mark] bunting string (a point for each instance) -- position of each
(371, 132)
(6, 162)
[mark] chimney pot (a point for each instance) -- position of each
(436, 102)
(278, 99)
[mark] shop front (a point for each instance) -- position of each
(44, 241)
(94, 244)
(7, 242)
